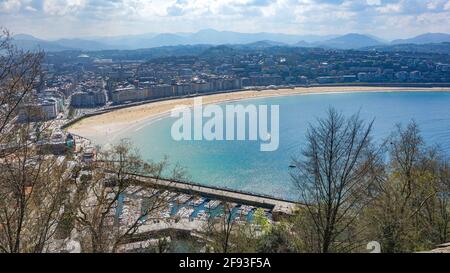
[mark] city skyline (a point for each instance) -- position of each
(387, 19)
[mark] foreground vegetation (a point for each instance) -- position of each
(354, 192)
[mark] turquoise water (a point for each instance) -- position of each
(241, 165)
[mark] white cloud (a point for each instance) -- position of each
(10, 5)
(373, 2)
(63, 7)
(290, 16)
(391, 8)
(447, 6)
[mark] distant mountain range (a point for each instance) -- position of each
(438, 48)
(427, 38)
(214, 37)
(349, 41)
(207, 36)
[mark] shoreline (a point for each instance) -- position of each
(111, 125)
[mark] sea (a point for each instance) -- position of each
(241, 165)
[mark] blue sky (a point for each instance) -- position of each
(80, 18)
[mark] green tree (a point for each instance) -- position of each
(411, 208)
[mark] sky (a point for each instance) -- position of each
(388, 19)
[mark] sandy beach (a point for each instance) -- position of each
(110, 126)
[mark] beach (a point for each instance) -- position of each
(111, 125)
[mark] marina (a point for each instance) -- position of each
(183, 207)
(277, 206)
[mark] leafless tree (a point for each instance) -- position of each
(32, 198)
(104, 189)
(19, 71)
(32, 184)
(219, 229)
(32, 193)
(333, 176)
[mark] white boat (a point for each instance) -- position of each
(149, 192)
(182, 198)
(213, 204)
(164, 214)
(197, 201)
(184, 212)
(168, 195)
(246, 209)
(202, 215)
